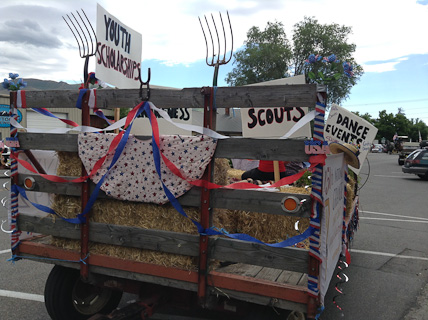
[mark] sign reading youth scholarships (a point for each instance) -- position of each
(274, 122)
(118, 52)
(345, 127)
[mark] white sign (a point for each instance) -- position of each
(274, 122)
(345, 127)
(333, 193)
(118, 52)
(142, 125)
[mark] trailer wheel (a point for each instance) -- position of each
(69, 298)
(423, 176)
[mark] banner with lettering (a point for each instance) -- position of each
(333, 194)
(343, 126)
(142, 125)
(275, 122)
(118, 57)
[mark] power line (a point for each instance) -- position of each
(390, 102)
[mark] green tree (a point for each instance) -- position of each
(366, 117)
(266, 56)
(311, 37)
(385, 125)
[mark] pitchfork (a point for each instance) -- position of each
(217, 62)
(86, 50)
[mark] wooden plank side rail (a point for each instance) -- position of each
(222, 249)
(226, 97)
(232, 148)
(247, 200)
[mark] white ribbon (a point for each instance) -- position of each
(92, 102)
(299, 124)
(189, 127)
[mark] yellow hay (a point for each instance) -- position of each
(268, 228)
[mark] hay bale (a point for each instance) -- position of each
(265, 227)
(271, 228)
(143, 215)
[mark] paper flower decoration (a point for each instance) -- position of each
(13, 85)
(329, 70)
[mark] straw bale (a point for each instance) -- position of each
(143, 215)
(272, 228)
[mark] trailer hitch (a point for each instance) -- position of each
(139, 310)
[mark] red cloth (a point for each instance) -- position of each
(267, 166)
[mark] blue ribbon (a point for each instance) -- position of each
(17, 189)
(118, 152)
(212, 231)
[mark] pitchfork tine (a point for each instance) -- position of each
(212, 40)
(219, 61)
(85, 51)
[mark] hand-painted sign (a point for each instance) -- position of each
(118, 52)
(275, 122)
(4, 116)
(333, 194)
(345, 127)
(142, 125)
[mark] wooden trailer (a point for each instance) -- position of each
(83, 284)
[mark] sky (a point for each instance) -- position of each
(389, 36)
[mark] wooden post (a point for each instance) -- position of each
(116, 118)
(84, 237)
(276, 173)
(205, 216)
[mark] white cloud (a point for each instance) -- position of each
(382, 29)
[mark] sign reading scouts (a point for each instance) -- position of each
(118, 52)
(345, 127)
(274, 122)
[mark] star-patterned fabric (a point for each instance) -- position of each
(134, 175)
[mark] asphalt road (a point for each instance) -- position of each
(388, 274)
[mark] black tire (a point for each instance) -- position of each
(423, 176)
(69, 298)
(400, 162)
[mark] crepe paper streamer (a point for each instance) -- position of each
(122, 137)
(119, 141)
(178, 207)
(317, 200)
(40, 207)
(320, 311)
(299, 124)
(202, 130)
(17, 257)
(14, 212)
(21, 101)
(343, 278)
(46, 112)
(92, 103)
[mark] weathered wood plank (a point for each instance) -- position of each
(290, 277)
(237, 97)
(303, 280)
(232, 148)
(241, 269)
(269, 274)
(258, 201)
(248, 200)
(292, 259)
(165, 241)
(261, 300)
(171, 242)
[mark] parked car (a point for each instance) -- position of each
(417, 163)
(377, 148)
